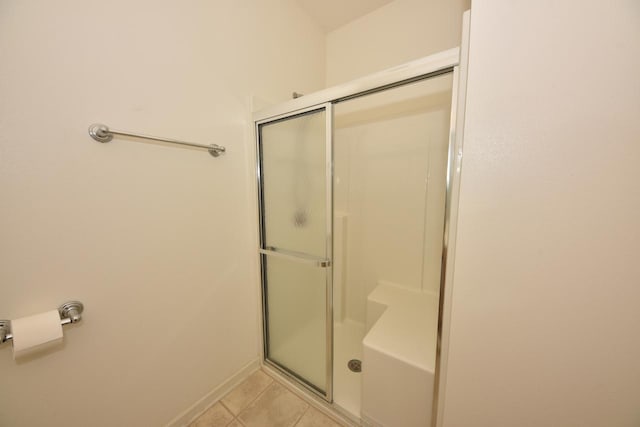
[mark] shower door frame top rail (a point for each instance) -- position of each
(432, 65)
(448, 61)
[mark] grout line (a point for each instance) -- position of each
(275, 381)
(324, 408)
(257, 397)
(301, 415)
(310, 404)
(225, 406)
(195, 411)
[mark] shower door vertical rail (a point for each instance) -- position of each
(329, 243)
(303, 250)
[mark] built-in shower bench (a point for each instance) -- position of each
(399, 351)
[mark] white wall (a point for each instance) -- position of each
(545, 317)
(398, 32)
(157, 241)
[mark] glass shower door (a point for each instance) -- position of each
(294, 157)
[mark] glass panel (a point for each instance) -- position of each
(293, 168)
(296, 314)
(390, 166)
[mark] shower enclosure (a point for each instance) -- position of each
(353, 186)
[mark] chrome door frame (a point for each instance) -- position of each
(455, 61)
(327, 264)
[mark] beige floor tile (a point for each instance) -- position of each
(216, 416)
(246, 392)
(315, 418)
(276, 407)
(235, 423)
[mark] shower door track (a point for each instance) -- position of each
(430, 66)
(448, 61)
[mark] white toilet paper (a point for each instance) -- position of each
(36, 333)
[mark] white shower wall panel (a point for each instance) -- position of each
(390, 164)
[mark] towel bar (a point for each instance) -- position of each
(102, 133)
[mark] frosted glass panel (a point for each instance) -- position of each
(293, 168)
(296, 308)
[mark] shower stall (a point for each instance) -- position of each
(354, 188)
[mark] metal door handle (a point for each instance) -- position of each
(297, 257)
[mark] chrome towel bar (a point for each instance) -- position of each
(70, 312)
(102, 133)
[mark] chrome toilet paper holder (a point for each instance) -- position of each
(70, 312)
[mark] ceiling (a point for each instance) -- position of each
(332, 14)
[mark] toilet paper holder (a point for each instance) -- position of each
(70, 312)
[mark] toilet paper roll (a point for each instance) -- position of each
(33, 334)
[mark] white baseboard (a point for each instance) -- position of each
(186, 417)
(369, 422)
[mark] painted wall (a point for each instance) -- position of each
(398, 32)
(545, 317)
(157, 241)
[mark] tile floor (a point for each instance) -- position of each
(261, 401)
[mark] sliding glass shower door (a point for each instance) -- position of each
(294, 158)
